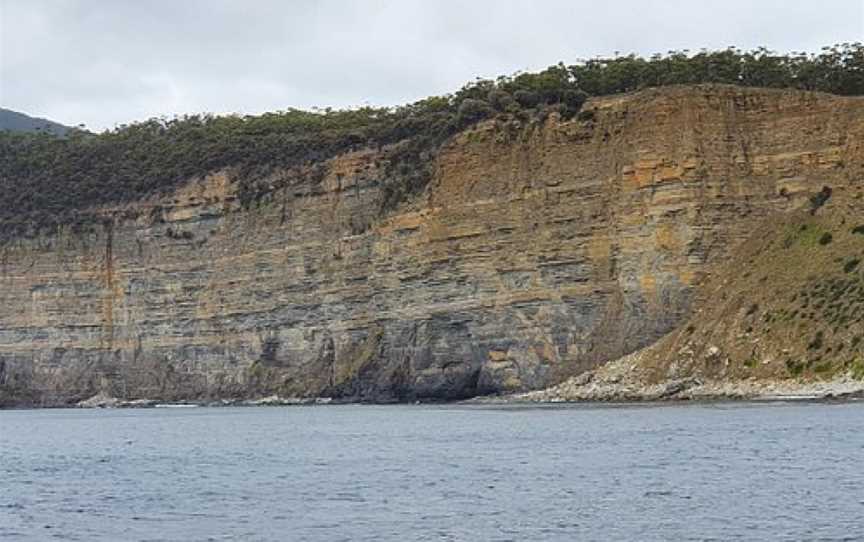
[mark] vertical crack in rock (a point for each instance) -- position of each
(107, 342)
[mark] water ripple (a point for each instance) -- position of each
(695, 472)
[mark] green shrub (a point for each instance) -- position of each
(471, 111)
(857, 369)
(823, 368)
(586, 116)
(795, 368)
(819, 199)
(818, 341)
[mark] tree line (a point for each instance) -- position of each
(46, 180)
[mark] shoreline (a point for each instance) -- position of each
(676, 392)
(591, 388)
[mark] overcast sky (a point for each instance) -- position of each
(104, 62)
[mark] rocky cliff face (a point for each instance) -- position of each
(535, 253)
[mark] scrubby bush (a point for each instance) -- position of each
(818, 341)
(819, 199)
(502, 101)
(795, 368)
(471, 111)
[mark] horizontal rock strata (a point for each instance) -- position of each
(535, 253)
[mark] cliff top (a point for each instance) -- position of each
(47, 181)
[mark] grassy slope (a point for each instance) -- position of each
(788, 303)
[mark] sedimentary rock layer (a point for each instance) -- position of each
(536, 252)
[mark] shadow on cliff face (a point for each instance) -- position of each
(431, 360)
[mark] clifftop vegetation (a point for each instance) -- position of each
(46, 181)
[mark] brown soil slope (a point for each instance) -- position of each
(789, 303)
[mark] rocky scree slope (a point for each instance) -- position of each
(536, 252)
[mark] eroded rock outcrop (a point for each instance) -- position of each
(535, 253)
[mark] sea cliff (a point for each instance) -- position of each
(536, 252)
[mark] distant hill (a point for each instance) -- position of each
(14, 121)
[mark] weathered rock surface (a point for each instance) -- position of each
(536, 253)
(627, 379)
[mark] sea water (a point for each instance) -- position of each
(726, 471)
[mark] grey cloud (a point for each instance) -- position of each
(113, 61)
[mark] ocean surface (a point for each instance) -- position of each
(330, 473)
